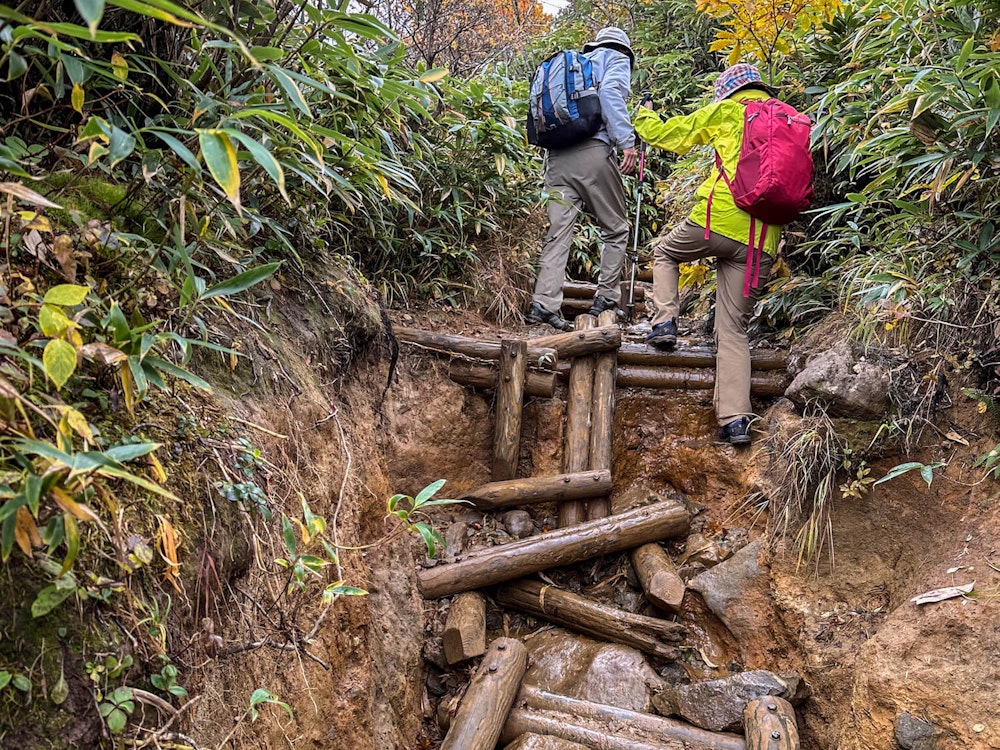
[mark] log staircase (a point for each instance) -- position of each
(593, 361)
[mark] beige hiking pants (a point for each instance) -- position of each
(732, 310)
(585, 178)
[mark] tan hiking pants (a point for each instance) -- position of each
(585, 178)
(732, 310)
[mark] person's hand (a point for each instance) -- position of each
(647, 103)
(629, 157)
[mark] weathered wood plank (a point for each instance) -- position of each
(465, 627)
(509, 405)
(769, 724)
(484, 709)
(576, 446)
(554, 548)
(602, 421)
(632, 376)
(514, 492)
(640, 353)
(466, 372)
(580, 343)
(650, 635)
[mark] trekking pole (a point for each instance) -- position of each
(635, 233)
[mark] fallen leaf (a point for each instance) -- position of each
(956, 438)
(948, 592)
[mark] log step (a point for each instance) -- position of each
(581, 485)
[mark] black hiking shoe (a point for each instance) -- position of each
(602, 304)
(663, 335)
(538, 314)
(736, 432)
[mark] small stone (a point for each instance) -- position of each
(454, 539)
(723, 585)
(913, 733)
(518, 524)
(977, 728)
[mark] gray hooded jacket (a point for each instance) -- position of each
(614, 72)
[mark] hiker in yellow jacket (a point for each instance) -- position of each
(719, 125)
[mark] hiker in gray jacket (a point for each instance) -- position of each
(587, 178)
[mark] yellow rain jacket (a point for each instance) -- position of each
(720, 126)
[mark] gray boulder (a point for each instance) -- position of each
(717, 705)
(723, 586)
(913, 733)
(849, 385)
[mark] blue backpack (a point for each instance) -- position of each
(564, 108)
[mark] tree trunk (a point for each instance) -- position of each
(648, 634)
(539, 356)
(769, 724)
(655, 731)
(465, 627)
(484, 709)
(602, 418)
(515, 492)
(635, 353)
(658, 576)
(464, 372)
(554, 548)
(509, 402)
(580, 343)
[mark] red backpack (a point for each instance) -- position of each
(773, 181)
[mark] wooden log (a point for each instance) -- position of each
(551, 549)
(531, 741)
(509, 404)
(602, 423)
(514, 492)
(574, 307)
(645, 274)
(580, 343)
(650, 635)
(465, 627)
(632, 376)
(646, 728)
(640, 353)
(769, 724)
(658, 576)
(466, 372)
(483, 712)
(539, 356)
(583, 290)
(576, 445)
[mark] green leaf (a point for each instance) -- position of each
(292, 91)
(16, 66)
(48, 599)
(241, 281)
(59, 359)
(66, 294)
(220, 157)
(432, 539)
(965, 54)
(4, 678)
(121, 145)
(264, 54)
(178, 372)
(427, 492)
(288, 534)
(91, 12)
(130, 451)
(119, 324)
(22, 683)
(72, 535)
(116, 720)
(899, 470)
(180, 149)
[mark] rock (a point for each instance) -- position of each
(607, 673)
(717, 705)
(848, 385)
(433, 652)
(723, 585)
(454, 539)
(543, 742)
(700, 549)
(518, 523)
(913, 733)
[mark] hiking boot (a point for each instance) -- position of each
(538, 314)
(603, 303)
(663, 335)
(736, 432)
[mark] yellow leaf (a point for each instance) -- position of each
(167, 542)
(128, 387)
(157, 468)
(59, 360)
(79, 423)
(76, 98)
(97, 150)
(119, 66)
(436, 74)
(41, 223)
(71, 506)
(53, 321)
(220, 155)
(25, 532)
